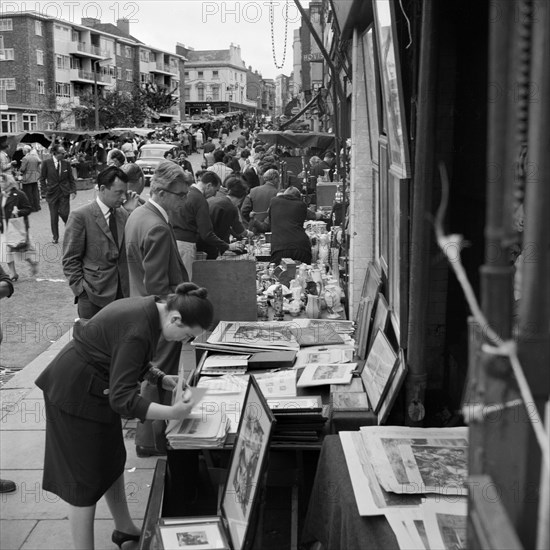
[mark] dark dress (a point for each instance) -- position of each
(286, 217)
(91, 383)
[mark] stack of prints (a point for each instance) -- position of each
(416, 477)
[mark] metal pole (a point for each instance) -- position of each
(96, 97)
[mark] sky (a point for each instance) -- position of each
(200, 24)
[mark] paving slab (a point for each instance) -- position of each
(56, 535)
(13, 533)
(22, 450)
(30, 501)
(26, 414)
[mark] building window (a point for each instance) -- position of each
(187, 93)
(143, 78)
(41, 87)
(63, 61)
(144, 56)
(119, 73)
(186, 74)
(62, 89)
(7, 83)
(128, 52)
(215, 93)
(6, 25)
(39, 57)
(200, 74)
(118, 49)
(29, 123)
(215, 74)
(76, 63)
(75, 36)
(8, 122)
(6, 54)
(38, 28)
(129, 75)
(200, 91)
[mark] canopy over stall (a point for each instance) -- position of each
(288, 138)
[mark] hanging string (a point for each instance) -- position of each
(272, 21)
(408, 26)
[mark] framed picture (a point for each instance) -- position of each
(247, 463)
(193, 534)
(391, 87)
(310, 403)
(378, 370)
(396, 382)
(364, 316)
(384, 206)
(372, 91)
(381, 318)
(372, 283)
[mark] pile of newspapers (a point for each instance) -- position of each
(199, 431)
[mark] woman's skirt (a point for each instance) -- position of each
(83, 457)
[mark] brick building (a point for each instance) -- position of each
(47, 65)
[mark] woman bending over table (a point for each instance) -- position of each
(92, 383)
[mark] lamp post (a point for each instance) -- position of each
(95, 64)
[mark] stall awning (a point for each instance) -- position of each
(287, 138)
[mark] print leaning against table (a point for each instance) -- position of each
(93, 381)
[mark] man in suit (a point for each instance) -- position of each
(260, 197)
(57, 184)
(155, 268)
(94, 252)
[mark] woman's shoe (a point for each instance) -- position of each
(119, 538)
(14, 278)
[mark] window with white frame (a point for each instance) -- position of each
(144, 56)
(41, 86)
(39, 57)
(76, 63)
(6, 25)
(119, 73)
(129, 75)
(63, 61)
(128, 52)
(8, 122)
(143, 78)
(38, 28)
(200, 91)
(215, 74)
(30, 122)
(118, 49)
(200, 74)
(62, 89)
(215, 93)
(187, 93)
(75, 36)
(7, 83)
(6, 54)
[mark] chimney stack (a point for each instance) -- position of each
(90, 21)
(123, 25)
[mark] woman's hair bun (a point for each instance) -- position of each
(191, 289)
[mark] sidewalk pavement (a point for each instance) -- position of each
(34, 519)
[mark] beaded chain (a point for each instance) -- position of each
(272, 21)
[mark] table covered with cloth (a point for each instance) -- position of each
(332, 516)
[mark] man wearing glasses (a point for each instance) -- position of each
(191, 221)
(155, 268)
(57, 184)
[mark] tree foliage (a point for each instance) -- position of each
(126, 108)
(158, 99)
(116, 109)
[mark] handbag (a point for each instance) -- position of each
(17, 236)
